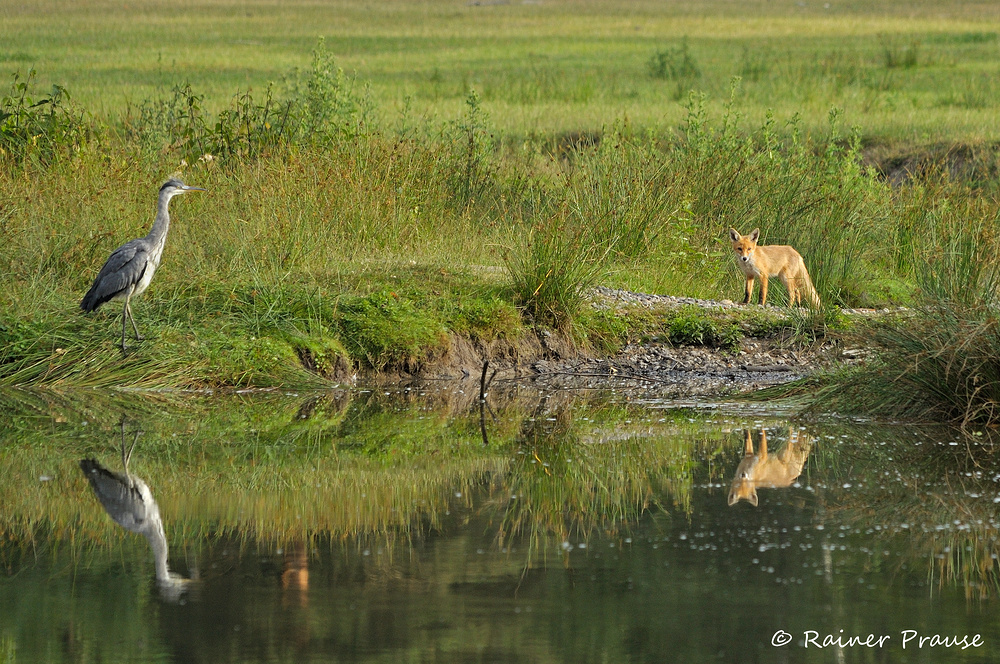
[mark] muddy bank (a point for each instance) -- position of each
(692, 371)
(550, 360)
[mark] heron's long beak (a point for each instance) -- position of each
(189, 188)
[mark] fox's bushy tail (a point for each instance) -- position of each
(810, 290)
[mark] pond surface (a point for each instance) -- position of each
(410, 525)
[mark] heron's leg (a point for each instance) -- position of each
(127, 456)
(135, 329)
(124, 319)
(124, 456)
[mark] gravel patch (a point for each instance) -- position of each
(695, 371)
(602, 297)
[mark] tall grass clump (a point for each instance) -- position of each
(940, 360)
(946, 358)
(622, 194)
(897, 55)
(550, 268)
(840, 224)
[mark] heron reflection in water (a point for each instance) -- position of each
(128, 500)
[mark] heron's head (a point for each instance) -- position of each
(173, 186)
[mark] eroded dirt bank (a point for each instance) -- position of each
(671, 369)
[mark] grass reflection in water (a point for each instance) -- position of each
(346, 464)
(380, 521)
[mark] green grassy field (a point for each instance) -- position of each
(421, 171)
(915, 71)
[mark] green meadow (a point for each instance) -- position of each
(917, 71)
(388, 182)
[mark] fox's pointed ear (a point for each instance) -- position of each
(753, 498)
(733, 235)
(733, 498)
(754, 235)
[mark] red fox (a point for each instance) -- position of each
(777, 260)
(770, 472)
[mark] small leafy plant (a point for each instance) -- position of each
(38, 126)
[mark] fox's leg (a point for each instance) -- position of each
(792, 287)
(763, 289)
(746, 300)
(762, 448)
(748, 446)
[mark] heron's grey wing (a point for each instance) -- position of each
(122, 501)
(124, 268)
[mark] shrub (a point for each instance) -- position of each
(38, 126)
(472, 148)
(319, 107)
(177, 122)
(674, 64)
(326, 103)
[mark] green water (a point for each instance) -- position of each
(409, 524)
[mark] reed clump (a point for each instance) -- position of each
(937, 360)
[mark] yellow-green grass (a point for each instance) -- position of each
(380, 250)
(351, 241)
(918, 72)
(281, 260)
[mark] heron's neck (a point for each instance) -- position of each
(162, 222)
(158, 542)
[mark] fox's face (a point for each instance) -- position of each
(744, 245)
(743, 489)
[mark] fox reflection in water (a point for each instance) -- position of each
(295, 575)
(128, 500)
(762, 470)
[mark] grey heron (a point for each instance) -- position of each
(129, 502)
(130, 267)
